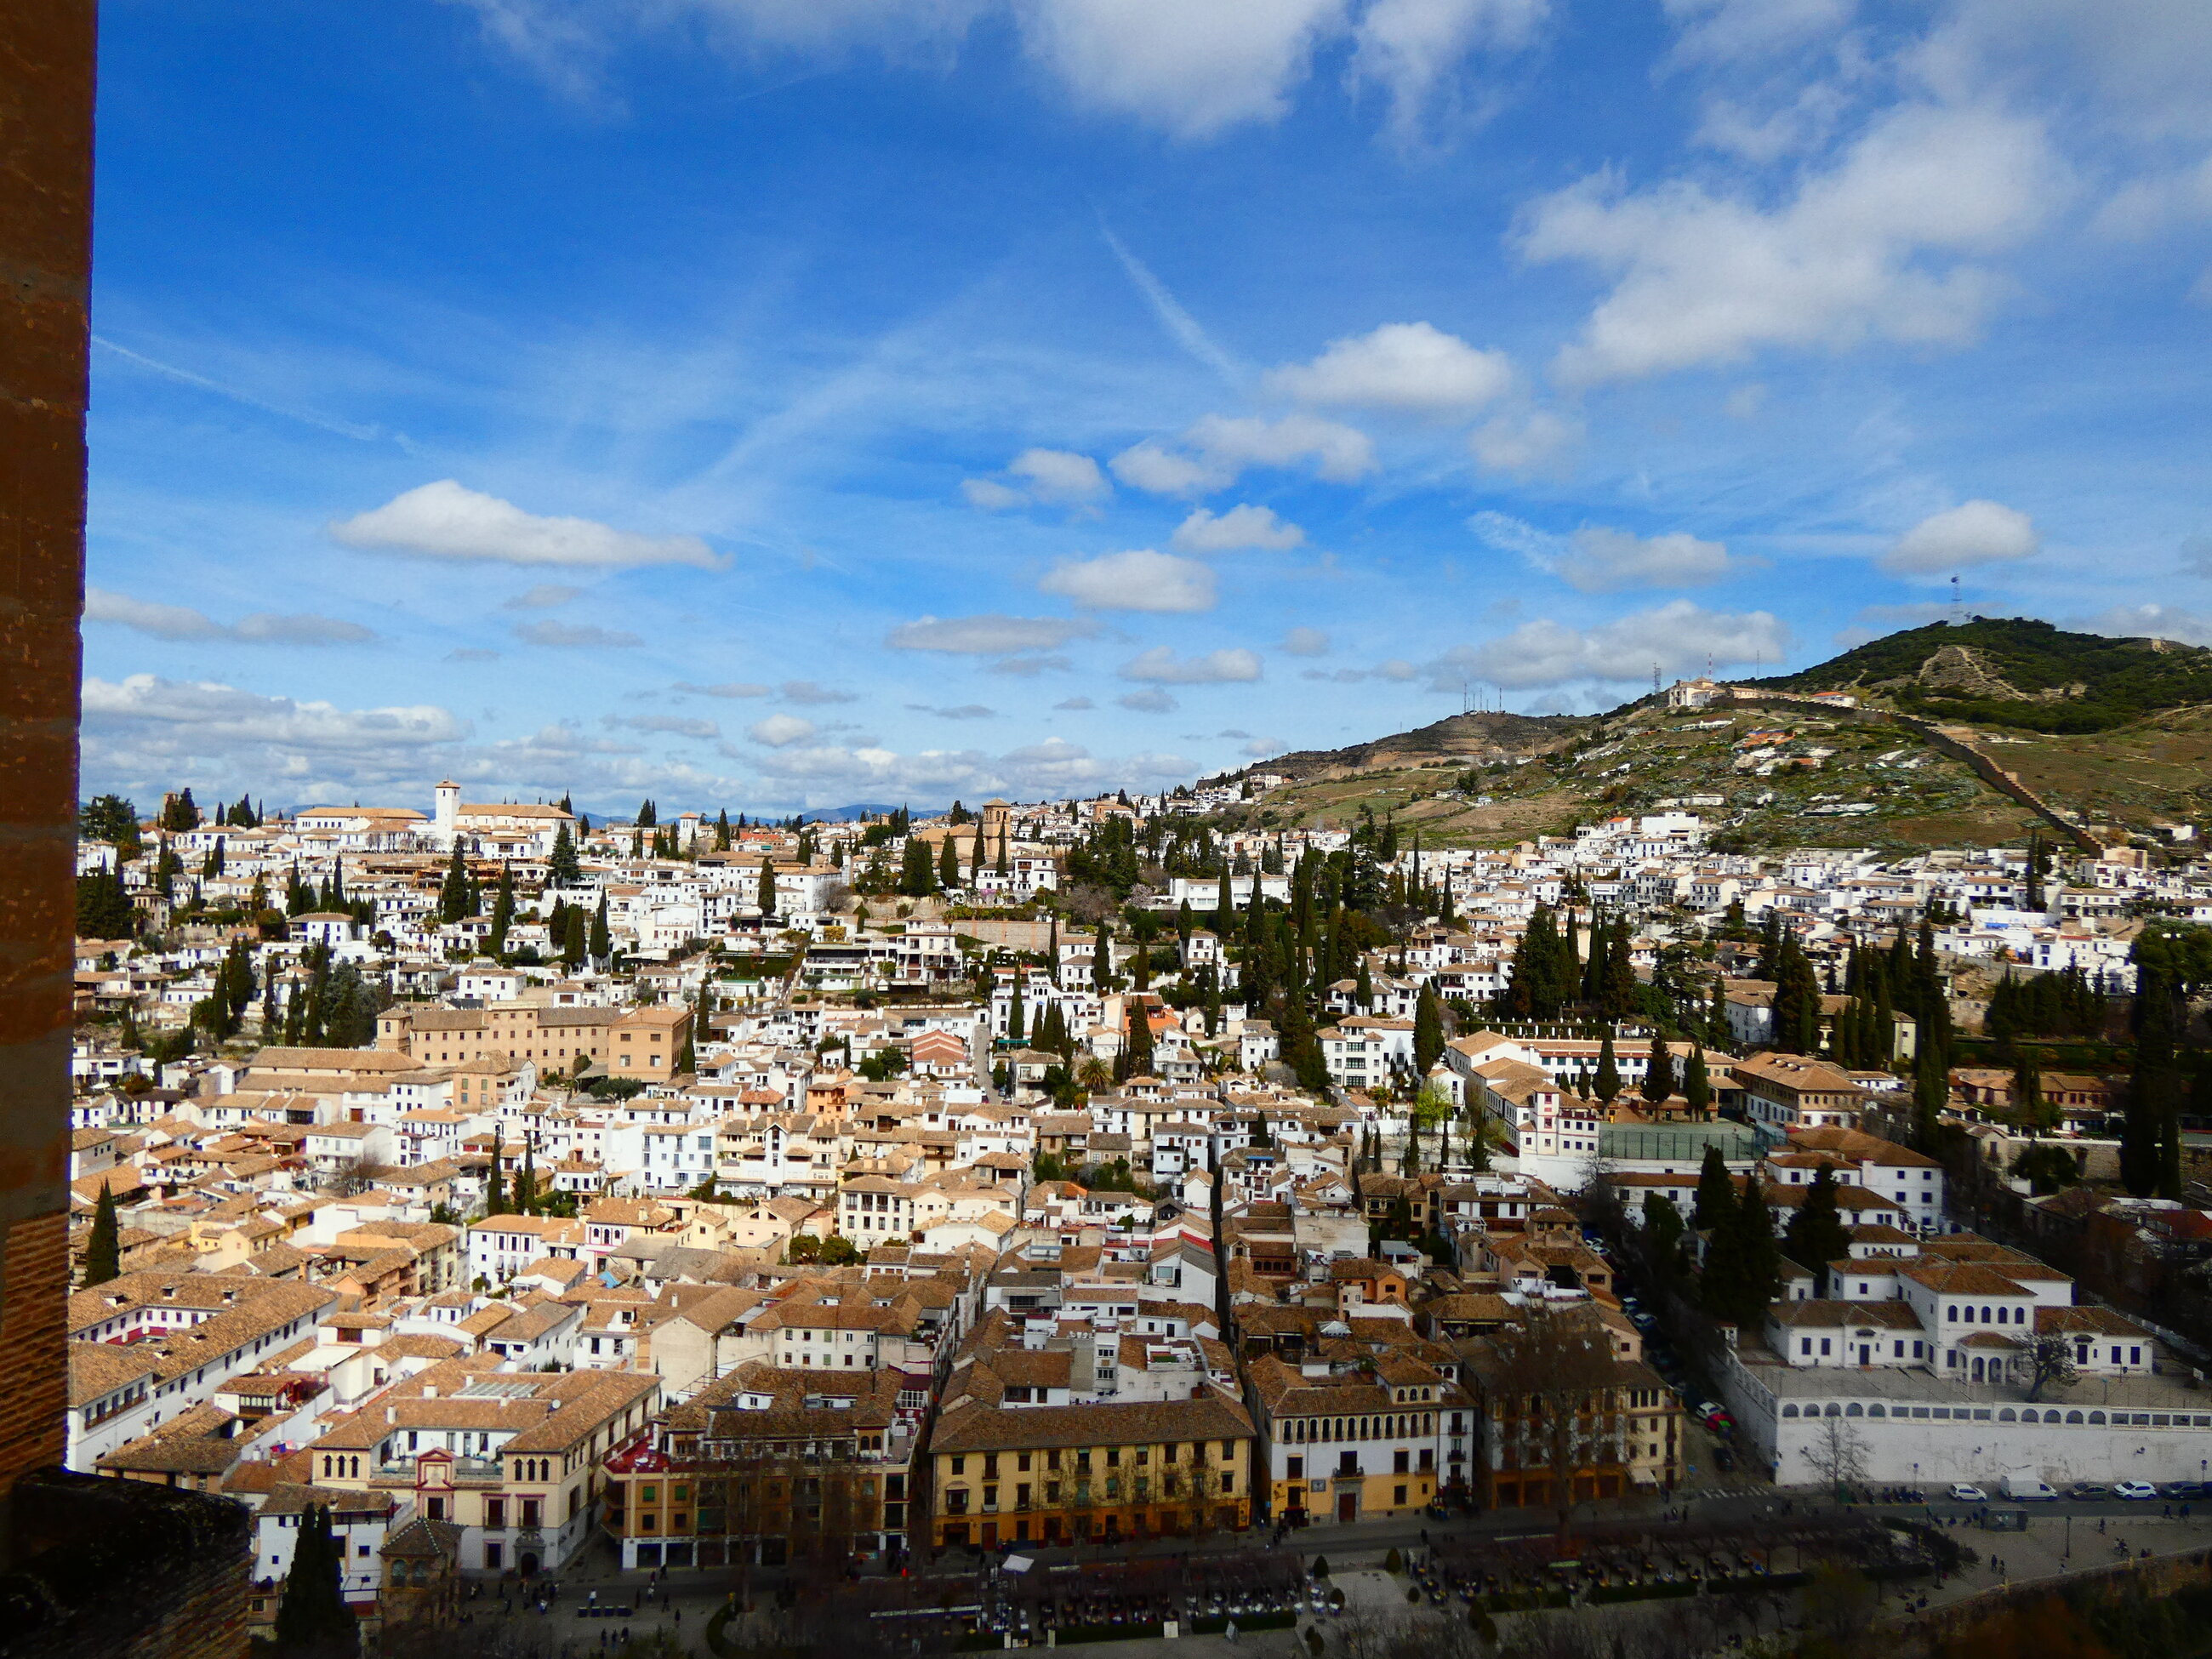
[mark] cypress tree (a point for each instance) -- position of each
(1428, 1031)
(1696, 1085)
(1608, 1071)
(1659, 1073)
(602, 941)
(1224, 906)
(312, 1618)
(1715, 1193)
(103, 1251)
(562, 869)
(1817, 1234)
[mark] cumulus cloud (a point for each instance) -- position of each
(1240, 527)
(1261, 748)
(1219, 449)
(724, 688)
(1974, 532)
(1597, 560)
(1192, 67)
(991, 496)
(1304, 642)
(574, 635)
(545, 596)
(1151, 701)
(182, 623)
(1411, 47)
(1053, 477)
(1676, 637)
(1162, 666)
(1154, 468)
(2156, 622)
(991, 634)
(674, 725)
(1731, 31)
(781, 730)
(1059, 476)
(144, 726)
(808, 691)
(445, 521)
(1412, 367)
(1140, 579)
(1074, 705)
(1531, 441)
(1877, 246)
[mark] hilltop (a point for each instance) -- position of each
(2111, 732)
(2015, 672)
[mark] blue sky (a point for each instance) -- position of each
(782, 402)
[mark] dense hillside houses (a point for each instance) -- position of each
(740, 1196)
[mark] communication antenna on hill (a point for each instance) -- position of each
(1958, 605)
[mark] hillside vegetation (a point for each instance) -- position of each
(2119, 731)
(2016, 672)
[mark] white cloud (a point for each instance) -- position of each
(674, 725)
(1597, 560)
(725, 689)
(1075, 705)
(808, 691)
(444, 520)
(1395, 668)
(1339, 453)
(575, 636)
(1529, 441)
(966, 711)
(1151, 466)
(1214, 668)
(991, 496)
(2156, 622)
(1193, 67)
(546, 596)
(1414, 367)
(1060, 475)
(1727, 31)
(1151, 701)
(1140, 579)
(177, 622)
(1261, 748)
(1411, 47)
(781, 730)
(1676, 637)
(1054, 478)
(991, 634)
(141, 729)
(1240, 527)
(1181, 327)
(1876, 247)
(1030, 667)
(1219, 448)
(1975, 532)
(1304, 642)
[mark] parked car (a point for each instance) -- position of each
(1963, 1493)
(2091, 1490)
(2190, 1489)
(2134, 1490)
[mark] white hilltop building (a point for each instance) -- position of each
(507, 830)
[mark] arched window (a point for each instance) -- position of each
(1790, 1410)
(1951, 1313)
(2096, 1417)
(1876, 1411)
(2007, 1415)
(2073, 1416)
(1852, 1410)
(1834, 1410)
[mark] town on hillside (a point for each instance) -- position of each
(494, 1201)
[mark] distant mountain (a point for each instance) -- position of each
(868, 809)
(2016, 671)
(1459, 737)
